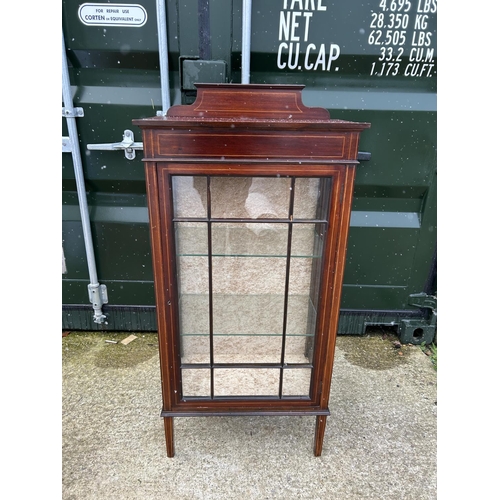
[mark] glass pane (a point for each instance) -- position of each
(303, 240)
(311, 198)
(247, 349)
(246, 382)
(248, 290)
(248, 329)
(301, 320)
(192, 277)
(296, 382)
(190, 196)
(191, 238)
(307, 243)
(250, 197)
(249, 239)
(249, 265)
(248, 302)
(194, 328)
(195, 382)
(249, 276)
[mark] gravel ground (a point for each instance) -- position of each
(380, 439)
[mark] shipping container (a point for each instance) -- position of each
(363, 60)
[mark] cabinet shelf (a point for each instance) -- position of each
(247, 335)
(243, 315)
(250, 256)
(266, 240)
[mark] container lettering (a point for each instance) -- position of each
(294, 28)
(403, 31)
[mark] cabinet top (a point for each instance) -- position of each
(249, 104)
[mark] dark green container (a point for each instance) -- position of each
(370, 61)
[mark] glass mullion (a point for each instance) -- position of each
(287, 282)
(210, 288)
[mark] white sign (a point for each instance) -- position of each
(113, 14)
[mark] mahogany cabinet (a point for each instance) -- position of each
(249, 195)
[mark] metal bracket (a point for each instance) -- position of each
(423, 300)
(72, 113)
(98, 295)
(66, 145)
(416, 331)
(128, 145)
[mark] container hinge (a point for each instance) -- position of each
(127, 145)
(72, 113)
(423, 300)
(98, 295)
(418, 331)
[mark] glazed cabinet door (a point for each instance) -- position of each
(248, 267)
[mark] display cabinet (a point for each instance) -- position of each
(249, 195)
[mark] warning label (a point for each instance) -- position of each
(113, 14)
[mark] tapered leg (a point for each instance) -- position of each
(319, 435)
(168, 422)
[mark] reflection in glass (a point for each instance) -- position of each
(311, 198)
(250, 197)
(306, 198)
(248, 302)
(248, 328)
(190, 196)
(193, 289)
(194, 328)
(296, 382)
(191, 238)
(195, 382)
(249, 239)
(307, 246)
(246, 382)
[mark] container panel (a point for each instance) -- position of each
(373, 61)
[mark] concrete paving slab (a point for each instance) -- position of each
(380, 439)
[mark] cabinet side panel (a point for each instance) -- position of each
(170, 300)
(340, 218)
(323, 327)
(159, 285)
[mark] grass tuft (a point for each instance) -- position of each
(430, 350)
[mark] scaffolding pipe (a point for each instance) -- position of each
(163, 55)
(245, 41)
(95, 292)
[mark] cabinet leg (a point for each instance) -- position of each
(319, 435)
(168, 423)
